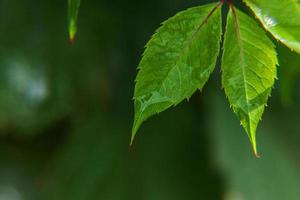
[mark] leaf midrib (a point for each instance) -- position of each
(189, 41)
(240, 43)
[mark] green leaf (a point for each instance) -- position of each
(281, 18)
(177, 61)
(73, 6)
(248, 70)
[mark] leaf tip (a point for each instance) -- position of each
(254, 147)
(135, 128)
(131, 140)
(72, 39)
(72, 34)
(257, 155)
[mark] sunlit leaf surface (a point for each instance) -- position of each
(177, 61)
(281, 18)
(248, 70)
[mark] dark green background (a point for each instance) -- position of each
(66, 114)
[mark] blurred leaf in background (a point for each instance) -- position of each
(73, 10)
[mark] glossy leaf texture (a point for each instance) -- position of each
(73, 9)
(248, 70)
(177, 61)
(280, 18)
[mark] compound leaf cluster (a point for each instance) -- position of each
(182, 54)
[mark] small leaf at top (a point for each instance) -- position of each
(177, 61)
(73, 9)
(281, 18)
(248, 70)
